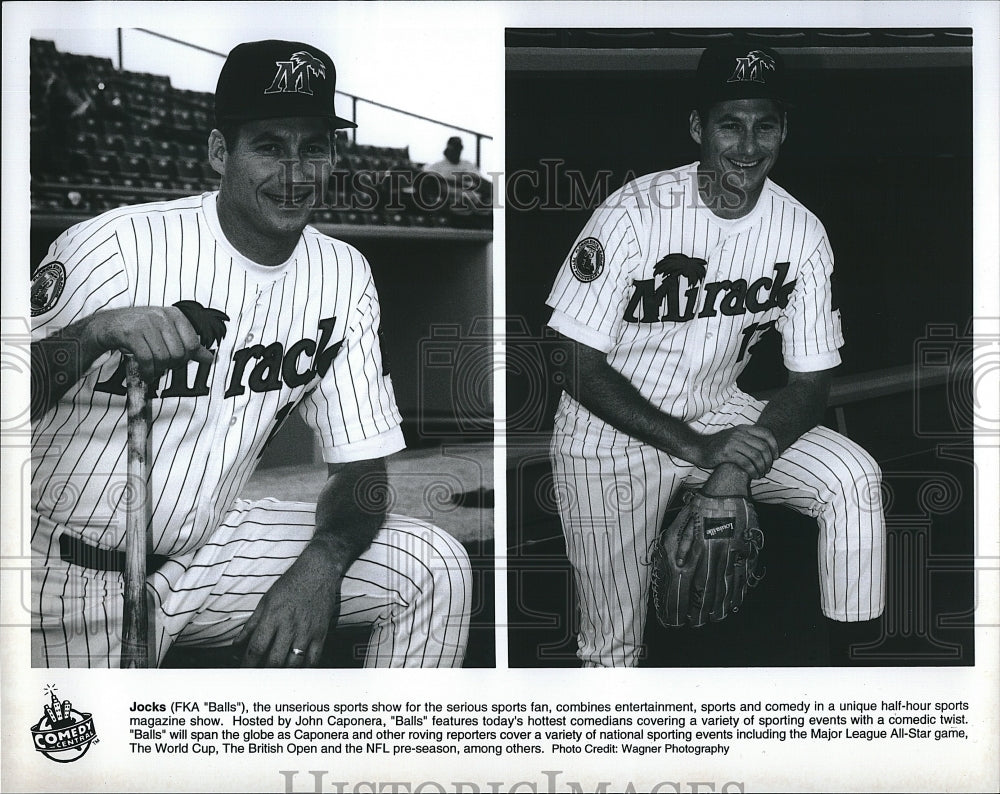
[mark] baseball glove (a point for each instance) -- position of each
(706, 559)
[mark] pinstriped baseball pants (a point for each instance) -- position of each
(412, 585)
(612, 500)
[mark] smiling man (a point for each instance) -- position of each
(238, 313)
(659, 304)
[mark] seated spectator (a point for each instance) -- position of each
(452, 166)
(469, 189)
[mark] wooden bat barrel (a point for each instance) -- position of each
(136, 623)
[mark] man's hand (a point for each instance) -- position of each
(297, 612)
(299, 609)
(160, 337)
(588, 377)
(750, 447)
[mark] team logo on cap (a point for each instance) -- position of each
(293, 75)
(752, 67)
(587, 261)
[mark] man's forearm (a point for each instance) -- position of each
(797, 407)
(58, 362)
(591, 381)
(350, 510)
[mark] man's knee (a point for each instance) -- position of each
(433, 567)
(855, 476)
(449, 573)
(866, 477)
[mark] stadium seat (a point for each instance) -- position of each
(162, 167)
(84, 141)
(113, 142)
(104, 163)
(181, 119)
(189, 169)
(136, 145)
(120, 126)
(134, 165)
(132, 183)
(90, 124)
(162, 148)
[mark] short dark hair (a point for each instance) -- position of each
(230, 131)
(704, 109)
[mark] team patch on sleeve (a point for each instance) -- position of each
(587, 260)
(46, 287)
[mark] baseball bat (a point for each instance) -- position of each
(137, 619)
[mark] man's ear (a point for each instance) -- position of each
(217, 152)
(694, 126)
(784, 126)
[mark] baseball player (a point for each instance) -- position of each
(661, 300)
(238, 313)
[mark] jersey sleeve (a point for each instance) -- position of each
(83, 272)
(354, 408)
(810, 328)
(589, 294)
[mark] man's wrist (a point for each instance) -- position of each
(89, 336)
(687, 445)
(728, 479)
(331, 553)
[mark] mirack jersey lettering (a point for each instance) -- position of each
(302, 335)
(684, 295)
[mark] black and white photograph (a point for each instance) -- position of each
(500, 397)
(131, 269)
(708, 197)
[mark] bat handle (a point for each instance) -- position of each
(136, 617)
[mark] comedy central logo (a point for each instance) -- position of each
(63, 734)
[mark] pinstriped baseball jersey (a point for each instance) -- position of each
(302, 334)
(677, 297)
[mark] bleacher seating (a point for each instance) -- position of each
(103, 138)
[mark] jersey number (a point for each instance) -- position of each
(749, 338)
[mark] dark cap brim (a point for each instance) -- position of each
(336, 122)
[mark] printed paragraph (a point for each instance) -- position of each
(532, 728)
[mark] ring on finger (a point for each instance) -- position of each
(297, 652)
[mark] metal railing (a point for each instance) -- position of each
(355, 99)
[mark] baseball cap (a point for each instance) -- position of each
(277, 79)
(454, 140)
(740, 71)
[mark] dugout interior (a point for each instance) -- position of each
(880, 148)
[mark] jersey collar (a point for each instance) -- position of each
(261, 272)
(735, 224)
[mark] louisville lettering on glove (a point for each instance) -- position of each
(706, 559)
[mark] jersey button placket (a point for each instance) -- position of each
(699, 327)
